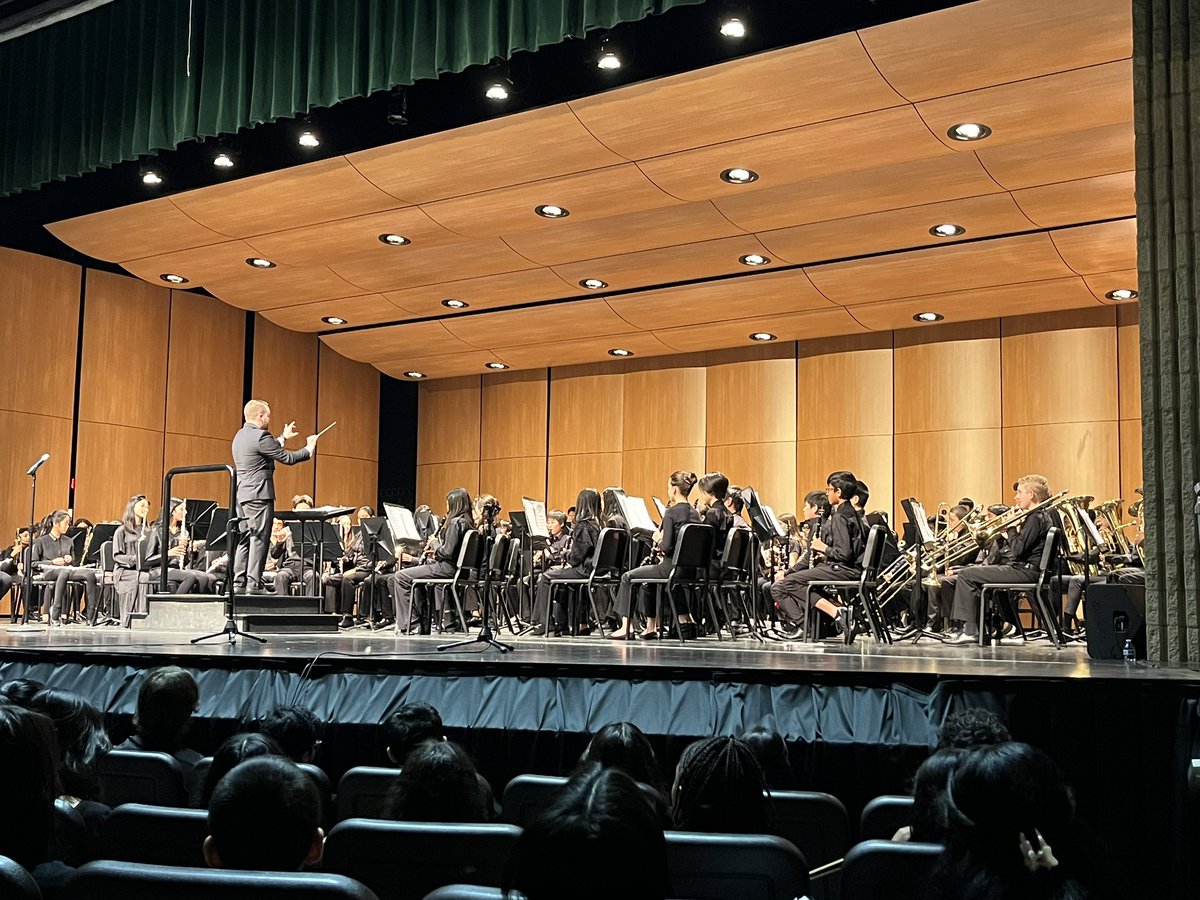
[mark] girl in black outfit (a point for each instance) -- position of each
(454, 528)
(578, 561)
(679, 513)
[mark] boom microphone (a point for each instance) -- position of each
(37, 465)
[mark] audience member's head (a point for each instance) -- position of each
(264, 814)
(28, 757)
(19, 691)
(972, 728)
(166, 700)
(928, 822)
(295, 729)
(601, 815)
(622, 745)
(81, 740)
(410, 726)
(233, 752)
(770, 749)
(438, 783)
(719, 787)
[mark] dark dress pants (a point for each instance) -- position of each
(970, 583)
(254, 543)
(789, 594)
(401, 586)
(60, 576)
(541, 602)
(624, 605)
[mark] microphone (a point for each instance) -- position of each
(37, 465)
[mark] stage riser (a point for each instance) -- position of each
(204, 615)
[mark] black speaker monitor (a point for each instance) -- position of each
(1115, 613)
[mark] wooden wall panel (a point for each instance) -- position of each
(869, 457)
(947, 379)
(205, 368)
(344, 480)
(508, 480)
(448, 421)
(937, 466)
(436, 480)
(1131, 459)
(285, 375)
(124, 364)
(769, 468)
(567, 475)
(116, 462)
(645, 473)
(665, 407)
(26, 437)
(844, 386)
(587, 409)
(193, 450)
(348, 393)
(1082, 457)
(513, 416)
(750, 402)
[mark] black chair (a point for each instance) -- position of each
(17, 884)
(363, 791)
(72, 842)
(154, 835)
(816, 823)
(496, 563)
(689, 571)
(898, 870)
(862, 588)
(510, 587)
(195, 782)
(1038, 592)
(109, 880)
(608, 563)
(136, 776)
(407, 860)
(745, 866)
(470, 558)
(527, 796)
(737, 579)
(324, 790)
(884, 816)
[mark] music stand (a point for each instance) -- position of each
(923, 539)
(216, 536)
(485, 636)
(379, 545)
(101, 534)
(1091, 538)
(767, 529)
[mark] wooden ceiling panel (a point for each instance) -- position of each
(446, 365)
(1068, 156)
(1106, 247)
(945, 177)
(416, 266)
(375, 344)
(599, 194)
(940, 269)
(781, 89)
(129, 232)
(508, 289)
(980, 216)
(816, 323)
(981, 303)
(1073, 101)
(517, 327)
(992, 42)
(1101, 284)
(537, 143)
(289, 198)
(778, 292)
(857, 143)
(570, 241)
(1082, 200)
(581, 350)
(649, 267)
(365, 309)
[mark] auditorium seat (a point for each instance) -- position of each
(745, 866)
(466, 892)
(884, 816)
(108, 880)
(195, 782)
(362, 792)
(898, 870)
(16, 883)
(135, 776)
(527, 796)
(407, 860)
(816, 823)
(321, 780)
(154, 835)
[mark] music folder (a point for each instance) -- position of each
(915, 511)
(636, 514)
(403, 524)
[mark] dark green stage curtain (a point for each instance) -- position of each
(112, 84)
(1166, 37)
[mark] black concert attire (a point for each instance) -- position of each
(288, 568)
(444, 565)
(576, 564)
(941, 598)
(255, 453)
(10, 568)
(554, 554)
(130, 581)
(358, 570)
(844, 535)
(180, 578)
(676, 516)
(46, 548)
(1017, 562)
(721, 521)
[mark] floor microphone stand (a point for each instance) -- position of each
(485, 636)
(27, 585)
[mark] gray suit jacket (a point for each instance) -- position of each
(255, 452)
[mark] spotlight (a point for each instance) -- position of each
(172, 278)
(762, 336)
(414, 375)
(593, 284)
(394, 240)
(733, 27)
(620, 351)
(259, 263)
(1122, 294)
(497, 91)
(499, 82)
(739, 176)
(334, 320)
(928, 317)
(150, 176)
(754, 259)
(947, 229)
(308, 139)
(455, 304)
(496, 365)
(223, 160)
(550, 211)
(968, 131)
(608, 58)
(397, 107)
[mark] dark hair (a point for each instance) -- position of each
(293, 728)
(587, 505)
(129, 517)
(960, 510)
(233, 752)
(409, 726)
(817, 500)
(928, 821)
(683, 481)
(81, 740)
(166, 701)
(558, 516)
(770, 749)
(719, 786)
(264, 815)
(845, 485)
(370, 511)
(570, 509)
(19, 691)
(967, 502)
(58, 516)
(600, 814)
(458, 503)
(622, 745)
(716, 484)
(840, 473)
(438, 783)
(971, 728)
(735, 497)
(28, 756)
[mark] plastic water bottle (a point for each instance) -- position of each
(1128, 653)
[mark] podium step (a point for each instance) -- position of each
(268, 613)
(289, 623)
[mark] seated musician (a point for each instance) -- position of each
(1018, 560)
(714, 490)
(941, 598)
(55, 552)
(12, 561)
(840, 545)
(1109, 565)
(679, 513)
(577, 563)
(445, 547)
(302, 502)
(792, 545)
(356, 569)
(182, 573)
(283, 561)
(552, 555)
(736, 504)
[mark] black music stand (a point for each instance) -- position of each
(768, 530)
(380, 546)
(101, 534)
(486, 636)
(919, 522)
(315, 528)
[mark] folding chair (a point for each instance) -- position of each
(864, 586)
(1038, 591)
(608, 564)
(736, 578)
(689, 570)
(469, 559)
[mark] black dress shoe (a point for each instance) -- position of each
(537, 630)
(688, 631)
(648, 636)
(346, 622)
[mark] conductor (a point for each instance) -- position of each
(255, 452)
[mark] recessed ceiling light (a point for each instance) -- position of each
(1122, 294)
(496, 91)
(496, 365)
(762, 336)
(333, 320)
(550, 211)
(593, 284)
(259, 263)
(151, 176)
(455, 304)
(414, 374)
(754, 259)
(395, 240)
(733, 27)
(308, 139)
(928, 317)
(739, 176)
(620, 351)
(172, 278)
(223, 160)
(947, 229)
(968, 131)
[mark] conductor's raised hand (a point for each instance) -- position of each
(311, 442)
(289, 431)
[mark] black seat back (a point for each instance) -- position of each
(16, 883)
(136, 776)
(527, 796)
(736, 555)
(499, 555)
(816, 823)
(883, 816)
(109, 880)
(612, 550)
(873, 554)
(693, 547)
(363, 791)
(745, 866)
(898, 870)
(154, 835)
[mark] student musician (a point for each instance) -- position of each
(577, 563)
(794, 545)
(56, 554)
(554, 554)
(736, 504)
(134, 534)
(181, 574)
(284, 563)
(12, 561)
(445, 546)
(679, 513)
(356, 568)
(840, 549)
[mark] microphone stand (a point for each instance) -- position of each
(485, 636)
(27, 587)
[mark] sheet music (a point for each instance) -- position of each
(921, 523)
(403, 525)
(773, 520)
(535, 517)
(637, 515)
(1093, 532)
(662, 508)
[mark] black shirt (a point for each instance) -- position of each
(583, 543)
(452, 538)
(1026, 548)
(47, 547)
(720, 520)
(845, 537)
(677, 515)
(555, 551)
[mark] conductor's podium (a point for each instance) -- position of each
(256, 613)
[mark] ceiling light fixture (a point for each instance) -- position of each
(308, 139)
(968, 131)
(334, 320)
(754, 259)
(495, 365)
(259, 263)
(172, 278)
(150, 176)
(620, 351)
(762, 336)
(947, 229)
(733, 27)
(1122, 294)
(394, 240)
(550, 211)
(414, 374)
(739, 176)
(455, 304)
(928, 317)
(593, 284)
